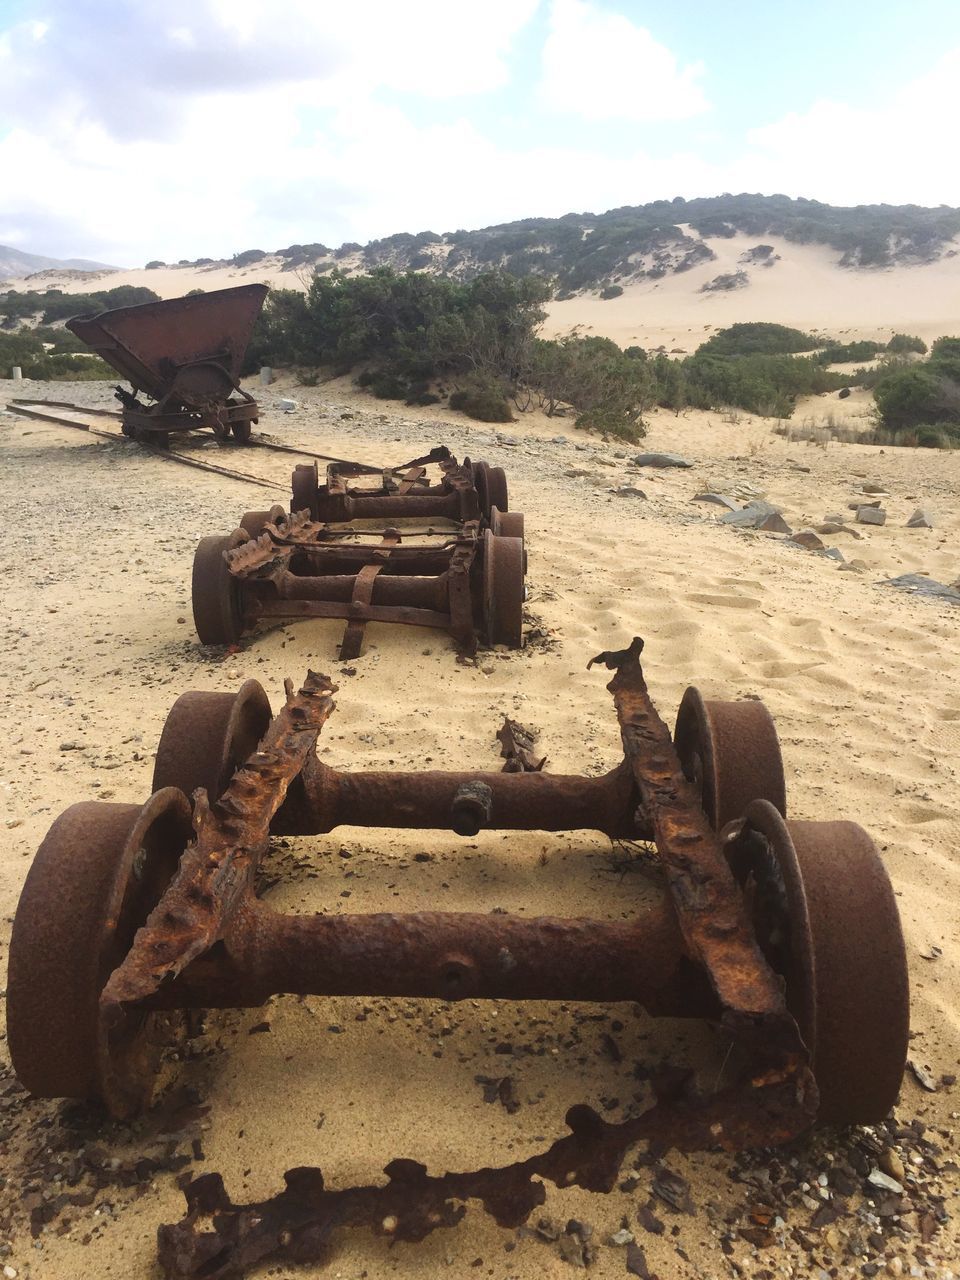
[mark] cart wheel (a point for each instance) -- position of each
(254, 522)
(730, 751)
(207, 736)
(242, 431)
(97, 876)
(217, 600)
(305, 485)
(503, 590)
(491, 485)
(506, 524)
(827, 919)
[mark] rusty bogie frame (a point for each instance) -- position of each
(784, 934)
(184, 354)
(464, 574)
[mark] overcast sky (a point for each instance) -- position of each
(137, 129)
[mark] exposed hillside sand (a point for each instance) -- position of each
(864, 683)
(805, 288)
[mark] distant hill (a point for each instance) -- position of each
(587, 251)
(14, 263)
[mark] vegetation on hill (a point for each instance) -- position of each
(26, 350)
(54, 304)
(600, 252)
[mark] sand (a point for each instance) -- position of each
(861, 679)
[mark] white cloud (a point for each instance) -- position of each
(897, 152)
(601, 66)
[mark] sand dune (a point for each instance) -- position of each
(864, 683)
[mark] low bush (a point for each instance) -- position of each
(483, 399)
(611, 291)
(902, 343)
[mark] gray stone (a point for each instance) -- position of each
(921, 585)
(877, 1178)
(774, 523)
(661, 460)
(833, 517)
(857, 506)
(763, 508)
(871, 515)
(741, 519)
(920, 520)
(833, 553)
(718, 499)
(628, 491)
(871, 487)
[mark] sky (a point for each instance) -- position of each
(172, 129)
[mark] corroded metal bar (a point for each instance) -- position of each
(324, 798)
(266, 607)
(449, 957)
(416, 592)
(715, 922)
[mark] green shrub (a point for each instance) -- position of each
(757, 337)
(388, 386)
(843, 352)
(921, 395)
(483, 399)
(248, 257)
(613, 422)
(611, 291)
(154, 265)
(901, 343)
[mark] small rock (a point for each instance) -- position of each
(661, 460)
(744, 519)
(774, 523)
(923, 1077)
(830, 527)
(920, 520)
(628, 491)
(884, 1182)
(872, 487)
(70, 746)
(622, 1237)
(871, 515)
(808, 539)
(891, 1163)
(763, 508)
(286, 406)
(833, 553)
(718, 499)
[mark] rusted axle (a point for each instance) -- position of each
(460, 494)
(325, 798)
(447, 957)
(787, 934)
(469, 581)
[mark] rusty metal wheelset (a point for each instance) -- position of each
(784, 933)
(463, 574)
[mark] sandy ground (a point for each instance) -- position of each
(862, 680)
(805, 288)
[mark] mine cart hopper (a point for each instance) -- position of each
(464, 573)
(784, 934)
(185, 354)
